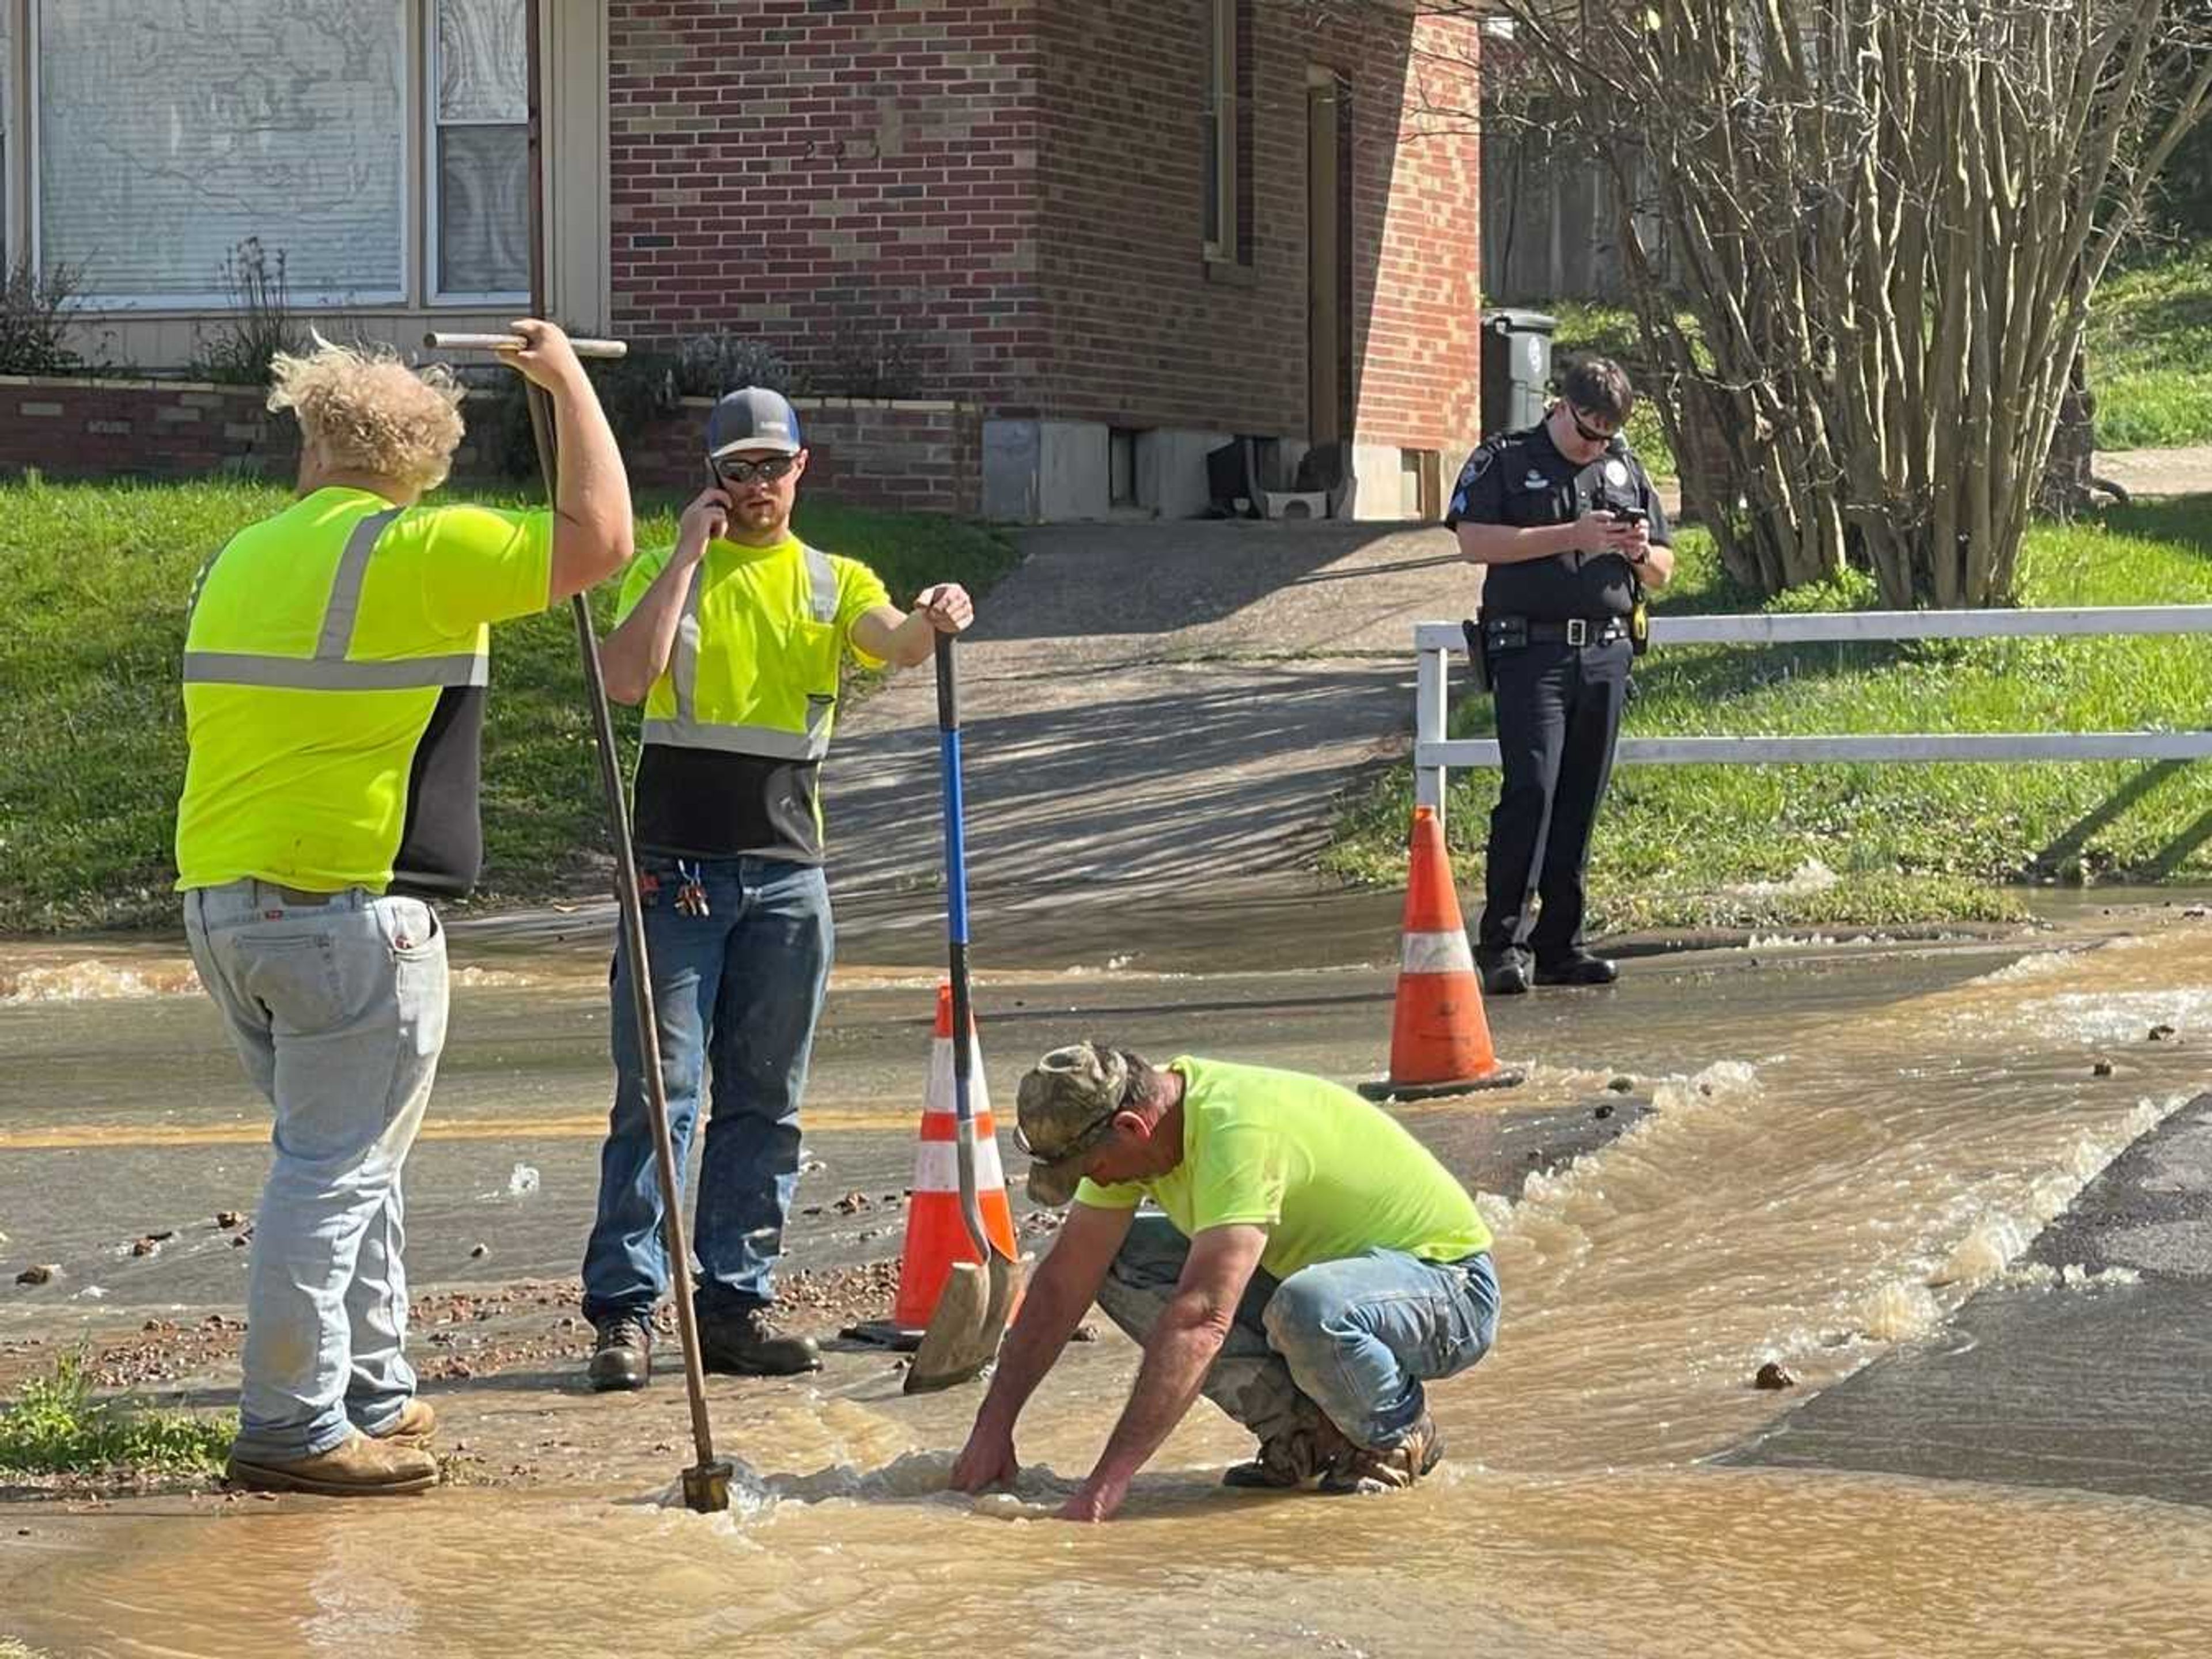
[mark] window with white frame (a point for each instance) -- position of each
(168, 132)
(481, 115)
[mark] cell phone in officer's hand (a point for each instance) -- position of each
(1628, 515)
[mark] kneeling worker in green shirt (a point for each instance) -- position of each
(1313, 1267)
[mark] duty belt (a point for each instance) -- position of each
(1576, 630)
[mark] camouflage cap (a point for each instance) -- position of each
(1064, 1112)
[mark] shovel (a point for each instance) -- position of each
(962, 1338)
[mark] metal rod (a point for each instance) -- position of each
(515, 342)
(706, 1485)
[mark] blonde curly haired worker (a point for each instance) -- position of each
(334, 675)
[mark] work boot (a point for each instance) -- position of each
(748, 1343)
(1580, 968)
(1503, 974)
(357, 1466)
(622, 1358)
(414, 1425)
(1367, 1470)
(1288, 1459)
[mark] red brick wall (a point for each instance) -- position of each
(1141, 335)
(86, 428)
(914, 457)
(815, 172)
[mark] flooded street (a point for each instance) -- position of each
(1841, 1147)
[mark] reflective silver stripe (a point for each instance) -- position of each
(346, 585)
(684, 670)
(764, 740)
(822, 577)
(328, 670)
(687, 731)
(315, 674)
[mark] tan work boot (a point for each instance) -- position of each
(1367, 1470)
(1291, 1459)
(357, 1466)
(414, 1425)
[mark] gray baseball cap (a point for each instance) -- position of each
(752, 417)
(1064, 1113)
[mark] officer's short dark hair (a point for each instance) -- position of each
(1600, 385)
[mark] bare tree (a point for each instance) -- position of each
(1884, 221)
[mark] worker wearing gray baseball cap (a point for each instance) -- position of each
(736, 641)
(1311, 1267)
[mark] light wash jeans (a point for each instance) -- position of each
(338, 1011)
(1354, 1339)
(741, 985)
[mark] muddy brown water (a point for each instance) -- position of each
(1822, 1178)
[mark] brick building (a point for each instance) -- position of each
(1115, 233)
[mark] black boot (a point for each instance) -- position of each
(748, 1343)
(622, 1357)
(1505, 974)
(1579, 969)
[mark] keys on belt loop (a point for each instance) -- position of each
(691, 895)
(1578, 630)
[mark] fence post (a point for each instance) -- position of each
(1430, 686)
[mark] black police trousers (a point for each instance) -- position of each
(1559, 712)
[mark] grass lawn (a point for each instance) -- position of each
(2150, 353)
(1863, 846)
(92, 747)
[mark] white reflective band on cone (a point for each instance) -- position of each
(937, 1166)
(1437, 953)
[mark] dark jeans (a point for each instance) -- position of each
(743, 986)
(1559, 712)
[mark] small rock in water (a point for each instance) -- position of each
(2102, 1068)
(2161, 1033)
(1621, 1086)
(1772, 1376)
(44, 1273)
(226, 1219)
(480, 1249)
(853, 1203)
(1602, 1112)
(146, 1246)
(1086, 1331)
(240, 1241)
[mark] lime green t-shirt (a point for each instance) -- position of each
(736, 726)
(313, 763)
(1329, 1174)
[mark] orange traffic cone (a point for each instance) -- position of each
(1439, 1039)
(936, 1235)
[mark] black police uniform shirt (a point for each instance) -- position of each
(1520, 478)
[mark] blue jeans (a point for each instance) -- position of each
(1353, 1339)
(338, 1011)
(742, 984)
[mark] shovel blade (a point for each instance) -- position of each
(964, 1333)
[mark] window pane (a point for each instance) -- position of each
(482, 61)
(484, 210)
(170, 131)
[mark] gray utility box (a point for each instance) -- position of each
(1516, 368)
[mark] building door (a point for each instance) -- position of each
(1328, 256)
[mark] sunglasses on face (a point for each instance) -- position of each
(1590, 434)
(768, 469)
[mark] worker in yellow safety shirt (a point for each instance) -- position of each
(334, 676)
(734, 641)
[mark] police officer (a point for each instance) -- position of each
(1563, 519)
(733, 640)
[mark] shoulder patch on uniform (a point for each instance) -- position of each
(1616, 472)
(1477, 465)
